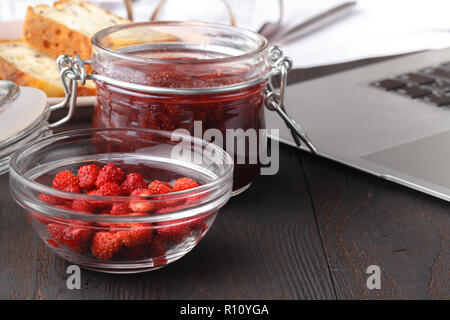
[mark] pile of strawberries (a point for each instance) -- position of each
(119, 241)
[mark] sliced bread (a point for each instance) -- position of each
(27, 66)
(66, 27)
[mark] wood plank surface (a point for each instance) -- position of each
(364, 220)
(263, 245)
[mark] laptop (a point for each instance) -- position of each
(390, 119)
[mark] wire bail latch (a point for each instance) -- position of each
(274, 99)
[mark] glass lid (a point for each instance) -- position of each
(20, 108)
(23, 118)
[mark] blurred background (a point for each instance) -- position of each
(312, 32)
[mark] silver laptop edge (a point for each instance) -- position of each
(353, 123)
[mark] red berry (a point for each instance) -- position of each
(159, 187)
(105, 224)
(173, 232)
(98, 205)
(143, 205)
(137, 235)
(51, 199)
(76, 235)
(105, 245)
(115, 226)
(65, 207)
(120, 209)
(82, 206)
(184, 184)
(132, 182)
(56, 231)
(157, 248)
(168, 208)
(109, 173)
(87, 175)
(154, 248)
(39, 217)
(53, 243)
(159, 262)
(109, 189)
(199, 224)
(66, 181)
(131, 234)
(138, 252)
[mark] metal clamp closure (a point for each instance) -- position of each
(71, 70)
(274, 98)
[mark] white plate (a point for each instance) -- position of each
(10, 30)
(83, 101)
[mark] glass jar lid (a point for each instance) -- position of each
(182, 55)
(23, 118)
(20, 107)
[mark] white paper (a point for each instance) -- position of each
(376, 28)
(373, 28)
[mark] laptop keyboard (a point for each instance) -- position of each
(431, 85)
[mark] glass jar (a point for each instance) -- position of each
(209, 80)
(184, 55)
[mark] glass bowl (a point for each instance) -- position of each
(121, 233)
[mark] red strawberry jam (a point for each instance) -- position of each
(240, 109)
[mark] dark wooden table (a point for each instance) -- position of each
(309, 232)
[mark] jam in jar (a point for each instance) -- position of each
(224, 69)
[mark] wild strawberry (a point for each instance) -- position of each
(168, 208)
(76, 235)
(106, 245)
(65, 207)
(57, 202)
(109, 173)
(97, 204)
(39, 217)
(56, 231)
(159, 187)
(107, 189)
(115, 226)
(184, 184)
(193, 199)
(199, 224)
(132, 182)
(92, 192)
(173, 232)
(138, 252)
(78, 239)
(138, 234)
(105, 224)
(159, 262)
(143, 205)
(87, 175)
(157, 250)
(66, 181)
(51, 199)
(53, 243)
(82, 206)
(120, 209)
